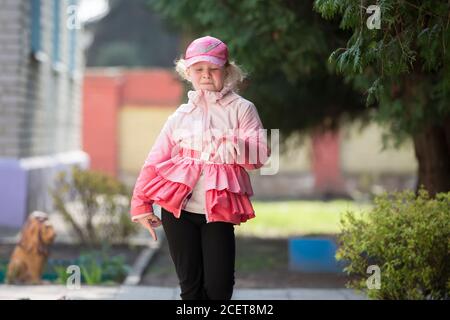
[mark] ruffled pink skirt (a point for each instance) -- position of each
(227, 189)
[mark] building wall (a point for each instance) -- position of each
(361, 151)
(139, 127)
(364, 167)
(40, 100)
(297, 156)
(102, 98)
(13, 75)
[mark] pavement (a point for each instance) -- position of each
(124, 292)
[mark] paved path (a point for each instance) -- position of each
(55, 292)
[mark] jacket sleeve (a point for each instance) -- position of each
(251, 140)
(160, 152)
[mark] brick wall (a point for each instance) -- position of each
(40, 103)
(12, 74)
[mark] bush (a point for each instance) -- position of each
(408, 238)
(96, 267)
(95, 205)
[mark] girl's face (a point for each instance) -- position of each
(206, 76)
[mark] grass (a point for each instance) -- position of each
(254, 255)
(296, 218)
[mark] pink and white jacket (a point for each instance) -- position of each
(217, 134)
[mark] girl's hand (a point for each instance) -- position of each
(149, 223)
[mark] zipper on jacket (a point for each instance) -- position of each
(204, 120)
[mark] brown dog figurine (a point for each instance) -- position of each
(30, 255)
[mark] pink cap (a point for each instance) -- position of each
(207, 49)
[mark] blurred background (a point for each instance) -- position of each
(91, 83)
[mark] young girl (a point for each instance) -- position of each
(196, 172)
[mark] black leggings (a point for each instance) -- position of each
(203, 254)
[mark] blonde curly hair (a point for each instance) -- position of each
(234, 75)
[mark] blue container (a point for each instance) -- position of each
(313, 255)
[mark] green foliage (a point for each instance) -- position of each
(61, 274)
(95, 205)
(118, 54)
(408, 237)
(3, 269)
(96, 267)
(404, 67)
(91, 270)
(132, 36)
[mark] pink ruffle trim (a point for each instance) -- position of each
(181, 170)
(168, 194)
(232, 177)
(228, 206)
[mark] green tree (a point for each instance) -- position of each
(131, 35)
(117, 54)
(404, 66)
(284, 46)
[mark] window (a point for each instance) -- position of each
(72, 12)
(35, 26)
